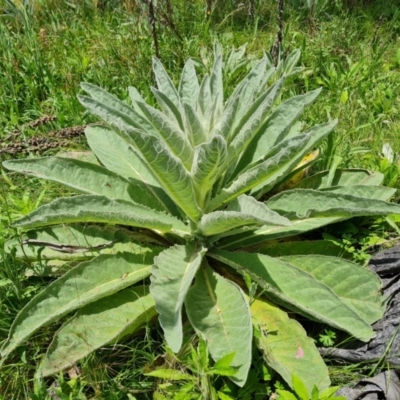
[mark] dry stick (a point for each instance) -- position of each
(168, 19)
(208, 8)
(252, 8)
(152, 18)
(277, 46)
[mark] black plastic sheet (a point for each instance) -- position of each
(384, 386)
(385, 347)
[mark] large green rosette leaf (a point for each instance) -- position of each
(209, 164)
(309, 209)
(78, 242)
(252, 120)
(105, 321)
(256, 237)
(240, 101)
(170, 172)
(247, 92)
(109, 108)
(298, 290)
(277, 126)
(204, 101)
(117, 156)
(172, 274)
(84, 284)
(219, 312)
(356, 286)
(342, 177)
(194, 125)
(244, 210)
(164, 82)
(308, 203)
(85, 178)
(167, 168)
(286, 347)
(88, 208)
(189, 85)
(276, 165)
(368, 192)
(172, 135)
(172, 111)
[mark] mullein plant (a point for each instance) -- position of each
(171, 219)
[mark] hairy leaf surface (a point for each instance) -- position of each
(247, 91)
(92, 208)
(308, 203)
(342, 177)
(286, 347)
(297, 290)
(84, 284)
(368, 192)
(169, 109)
(169, 171)
(242, 211)
(78, 242)
(268, 232)
(357, 286)
(172, 274)
(252, 120)
(164, 82)
(152, 121)
(194, 126)
(189, 85)
(85, 178)
(102, 322)
(283, 159)
(219, 312)
(117, 156)
(108, 107)
(209, 163)
(167, 168)
(172, 135)
(216, 86)
(278, 125)
(204, 98)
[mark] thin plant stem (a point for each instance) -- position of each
(152, 19)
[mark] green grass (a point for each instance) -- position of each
(45, 52)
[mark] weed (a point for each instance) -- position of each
(47, 48)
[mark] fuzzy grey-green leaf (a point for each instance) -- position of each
(308, 203)
(85, 178)
(164, 82)
(102, 322)
(209, 163)
(279, 162)
(279, 123)
(172, 274)
(168, 169)
(357, 286)
(243, 211)
(117, 155)
(172, 135)
(219, 311)
(92, 208)
(280, 339)
(248, 127)
(189, 85)
(297, 290)
(88, 282)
